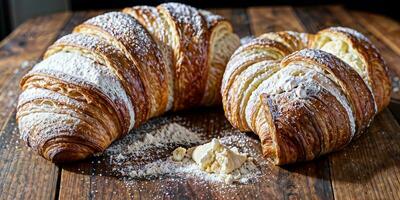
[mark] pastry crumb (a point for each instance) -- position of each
(178, 154)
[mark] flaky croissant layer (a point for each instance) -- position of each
(117, 70)
(305, 95)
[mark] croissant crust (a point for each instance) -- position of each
(302, 102)
(116, 71)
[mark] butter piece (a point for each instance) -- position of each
(215, 157)
(178, 154)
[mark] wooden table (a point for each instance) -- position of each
(367, 169)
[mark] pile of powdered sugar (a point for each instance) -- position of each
(146, 154)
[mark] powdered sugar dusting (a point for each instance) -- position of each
(47, 122)
(210, 17)
(31, 94)
(89, 41)
(152, 21)
(125, 28)
(64, 66)
(146, 153)
(297, 81)
(352, 32)
(164, 137)
(185, 14)
(324, 82)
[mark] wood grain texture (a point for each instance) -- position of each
(369, 168)
(270, 19)
(386, 29)
(20, 169)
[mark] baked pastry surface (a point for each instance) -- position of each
(117, 70)
(305, 95)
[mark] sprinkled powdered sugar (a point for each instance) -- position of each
(31, 94)
(352, 32)
(131, 33)
(146, 154)
(324, 57)
(88, 72)
(85, 40)
(131, 37)
(320, 80)
(284, 81)
(48, 122)
(188, 15)
(249, 80)
(124, 28)
(165, 136)
(151, 19)
(160, 32)
(210, 17)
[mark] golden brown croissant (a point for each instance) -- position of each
(117, 70)
(302, 102)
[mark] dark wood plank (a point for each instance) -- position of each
(308, 180)
(385, 28)
(369, 168)
(238, 18)
(23, 174)
(269, 19)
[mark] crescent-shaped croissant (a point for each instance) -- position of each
(305, 102)
(117, 70)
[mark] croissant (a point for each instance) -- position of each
(116, 71)
(305, 95)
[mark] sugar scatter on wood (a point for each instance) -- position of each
(146, 154)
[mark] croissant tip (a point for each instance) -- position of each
(66, 152)
(67, 156)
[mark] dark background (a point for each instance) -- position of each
(15, 12)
